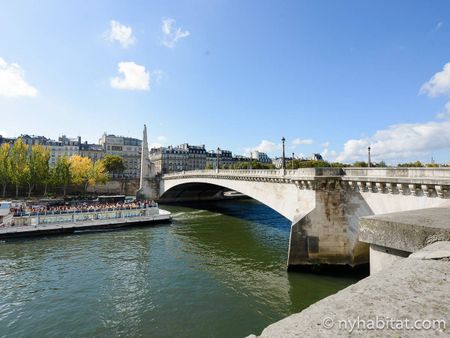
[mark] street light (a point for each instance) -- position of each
(218, 150)
(251, 160)
(283, 163)
(368, 152)
(292, 161)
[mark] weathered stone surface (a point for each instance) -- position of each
(410, 290)
(407, 231)
(436, 250)
(382, 257)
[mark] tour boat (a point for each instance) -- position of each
(6, 216)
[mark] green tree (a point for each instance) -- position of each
(114, 164)
(411, 164)
(209, 166)
(38, 169)
(18, 164)
(312, 164)
(60, 174)
(339, 165)
(360, 164)
(432, 165)
(4, 166)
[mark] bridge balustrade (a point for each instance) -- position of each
(303, 172)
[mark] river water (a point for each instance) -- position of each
(218, 270)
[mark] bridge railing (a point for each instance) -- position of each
(303, 172)
(398, 172)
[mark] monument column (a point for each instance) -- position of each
(148, 184)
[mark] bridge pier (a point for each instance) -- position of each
(328, 234)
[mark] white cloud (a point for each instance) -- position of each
(172, 34)
(12, 81)
(120, 33)
(265, 147)
(298, 141)
(161, 138)
(135, 77)
(326, 144)
(445, 114)
(399, 141)
(439, 84)
(329, 154)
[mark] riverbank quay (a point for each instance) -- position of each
(58, 224)
(407, 295)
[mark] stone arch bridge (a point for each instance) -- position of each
(323, 204)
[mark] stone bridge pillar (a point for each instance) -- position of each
(149, 181)
(329, 233)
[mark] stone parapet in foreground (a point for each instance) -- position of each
(408, 299)
(407, 293)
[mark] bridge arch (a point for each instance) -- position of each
(274, 195)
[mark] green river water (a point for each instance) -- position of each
(218, 270)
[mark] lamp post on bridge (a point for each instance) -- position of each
(218, 151)
(369, 164)
(283, 162)
(292, 161)
(251, 160)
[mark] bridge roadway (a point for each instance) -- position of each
(323, 204)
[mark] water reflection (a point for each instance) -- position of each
(217, 270)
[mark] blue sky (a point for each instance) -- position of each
(330, 76)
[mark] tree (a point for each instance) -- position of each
(60, 174)
(84, 172)
(114, 164)
(360, 164)
(411, 164)
(4, 164)
(37, 169)
(18, 164)
(432, 165)
(80, 170)
(209, 166)
(339, 165)
(96, 175)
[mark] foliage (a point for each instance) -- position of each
(21, 164)
(38, 168)
(411, 164)
(113, 164)
(252, 164)
(360, 164)
(86, 173)
(209, 166)
(432, 165)
(339, 165)
(297, 163)
(4, 166)
(18, 164)
(60, 175)
(80, 169)
(97, 173)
